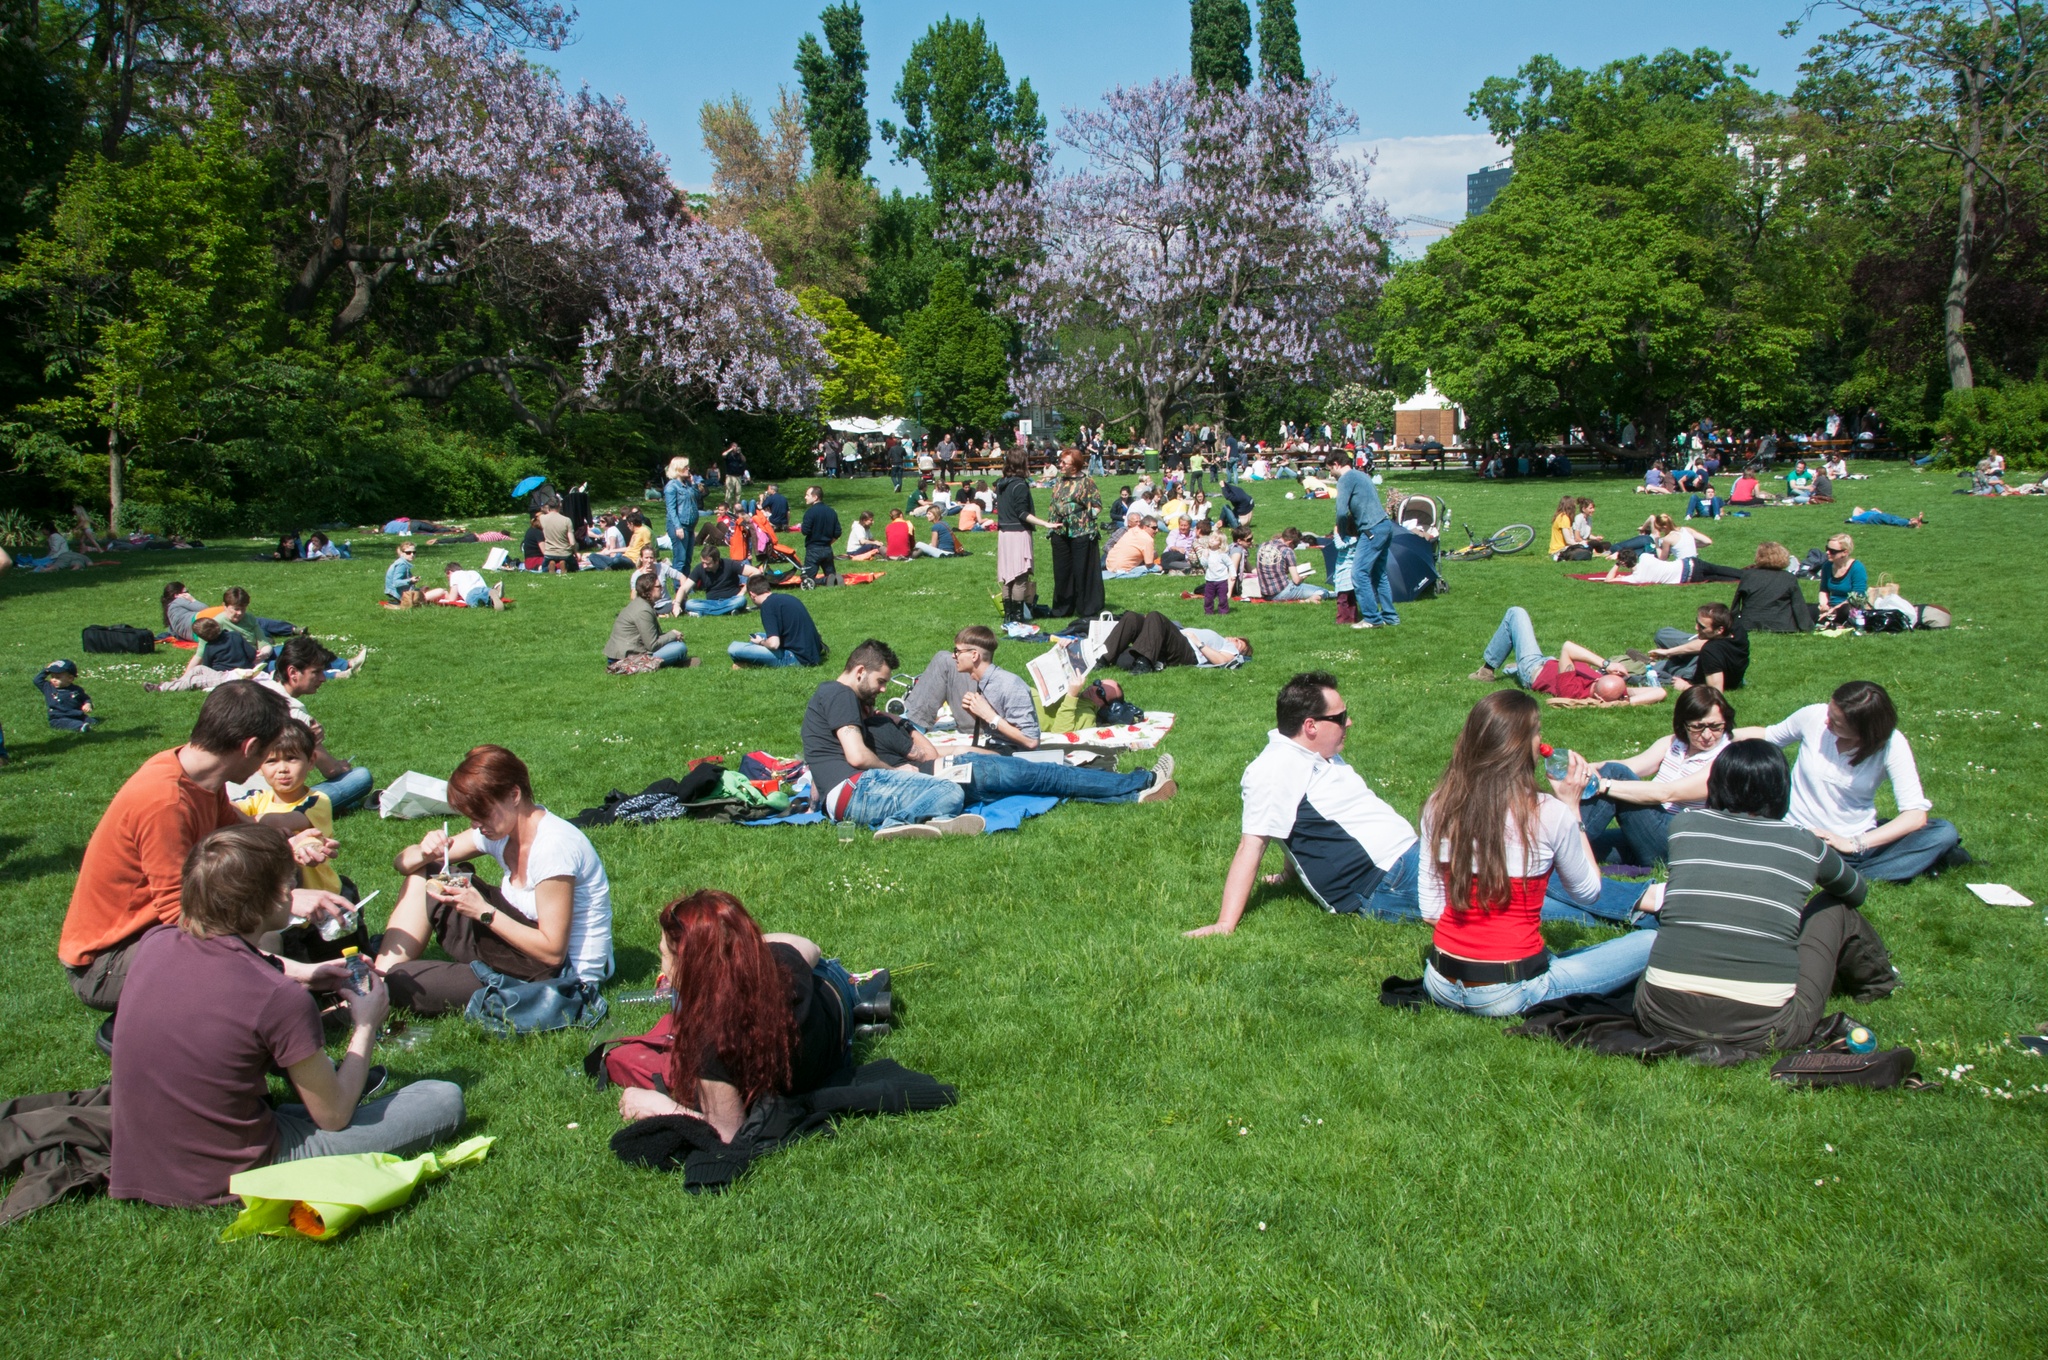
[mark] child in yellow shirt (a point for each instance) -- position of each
(290, 806)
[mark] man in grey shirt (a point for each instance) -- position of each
(991, 703)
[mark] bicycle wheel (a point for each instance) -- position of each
(1512, 538)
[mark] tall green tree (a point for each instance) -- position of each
(963, 123)
(836, 92)
(867, 367)
(1220, 43)
(1279, 43)
(1632, 272)
(955, 357)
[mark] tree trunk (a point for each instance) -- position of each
(1954, 307)
(114, 470)
(1155, 420)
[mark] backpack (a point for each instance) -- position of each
(117, 637)
(1119, 713)
(633, 1059)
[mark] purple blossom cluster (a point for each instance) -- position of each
(430, 146)
(1207, 237)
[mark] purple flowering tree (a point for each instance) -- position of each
(1205, 238)
(432, 153)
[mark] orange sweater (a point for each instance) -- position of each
(130, 877)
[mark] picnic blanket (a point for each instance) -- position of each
(998, 814)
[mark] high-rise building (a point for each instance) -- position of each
(1482, 185)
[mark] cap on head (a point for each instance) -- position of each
(62, 667)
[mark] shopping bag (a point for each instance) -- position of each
(322, 1197)
(413, 795)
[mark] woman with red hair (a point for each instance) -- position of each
(550, 915)
(755, 1014)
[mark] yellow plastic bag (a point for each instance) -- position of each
(322, 1197)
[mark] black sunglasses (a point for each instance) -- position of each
(1340, 716)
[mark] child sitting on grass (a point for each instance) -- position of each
(204, 1018)
(290, 806)
(70, 707)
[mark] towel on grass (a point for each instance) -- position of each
(1000, 814)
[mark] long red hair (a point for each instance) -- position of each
(731, 998)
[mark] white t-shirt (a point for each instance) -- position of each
(1340, 835)
(463, 582)
(299, 712)
(559, 850)
(1682, 762)
(858, 537)
(1655, 571)
(1217, 565)
(1830, 794)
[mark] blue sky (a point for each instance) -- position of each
(1406, 70)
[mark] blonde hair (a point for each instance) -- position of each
(678, 466)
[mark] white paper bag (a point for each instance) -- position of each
(413, 795)
(494, 560)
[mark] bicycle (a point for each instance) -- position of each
(1509, 538)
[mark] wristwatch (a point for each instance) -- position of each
(487, 915)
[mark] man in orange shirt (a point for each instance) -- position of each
(1134, 553)
(130, 877)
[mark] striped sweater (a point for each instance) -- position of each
(1739, 885)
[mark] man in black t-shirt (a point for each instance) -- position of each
(820, 527)
(1716, 654)
(716, 585)
(863, 762)
(733, 464)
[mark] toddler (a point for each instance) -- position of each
(70, 707)
(290, 806)
(1217, 571)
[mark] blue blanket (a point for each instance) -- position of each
(1001, 814)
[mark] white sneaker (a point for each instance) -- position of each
(1363, 624)
(1160, 792)
(914, 831)
(966, 824)
(1162, 770)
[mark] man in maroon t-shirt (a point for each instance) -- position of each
(1575, 675)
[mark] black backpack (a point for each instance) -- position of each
(117, 637)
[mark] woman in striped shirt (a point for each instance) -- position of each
(1759, 923)
(1497, 842)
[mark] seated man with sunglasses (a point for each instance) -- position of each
(1351, 850)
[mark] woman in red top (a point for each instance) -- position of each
(896, 535)
(1494, 842)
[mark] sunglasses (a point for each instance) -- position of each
(1706, 727)
(1342, 715)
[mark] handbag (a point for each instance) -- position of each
(507, 1007)
(640, 1060)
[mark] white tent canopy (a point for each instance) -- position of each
(1428, 399)
(900, 426)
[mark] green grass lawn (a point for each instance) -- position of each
(1163, 1147)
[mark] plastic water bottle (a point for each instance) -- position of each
(1557, 766)
(358, 969)
(1861, 1040)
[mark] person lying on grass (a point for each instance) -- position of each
(1847, 747)
(129, 879)
(1631, 802)
(550, 916)
(1576, 676)
(205, 1017)
(1758, 925)
(1143, 642)
(1500, 842)
(755, 1014)
(1639, 567)
(1873, 515)
(469, 588)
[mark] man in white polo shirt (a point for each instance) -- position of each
(1351, 851)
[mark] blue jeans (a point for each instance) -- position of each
(348, 790)
(1597, 968)
(1709, 506)
(701, 607)
(1641, 543)
(1000, 776)
(608, 561)
(1301, 590)
(754, 654)
(1394, 898)
(1133, 574)
(672, 653)
(1909, 856)
(680, 542)
(1369, 575)
(885, 798)
(1639, 833)
(1516, 636)
(1880, 517)
(480, 598)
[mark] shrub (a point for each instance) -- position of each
(2012, 418)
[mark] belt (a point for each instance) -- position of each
(1473, 973)
(835, 808)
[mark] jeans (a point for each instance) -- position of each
(1641, 543)
(410, 1120)
(1394, 898)
(885, 798)
(1133, 574)
(1880, 517)
(1516, 635)
(1639, 833)
(1909, 856)
(347, 790)
(731, 604)
(1369, 575)
(672, 653)
(1301, 590)
(681, 540)
(928, 550)
(1597, 968)
(480, 598)
(1707, 506)
(754, 654)
(1000, 776)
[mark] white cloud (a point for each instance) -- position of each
(1425, 177)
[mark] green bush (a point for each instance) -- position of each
(2012, 418)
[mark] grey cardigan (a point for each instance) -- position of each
(634, 631)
